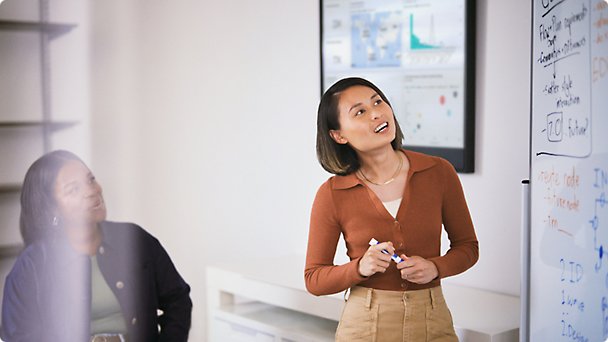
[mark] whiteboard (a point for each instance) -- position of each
(568, 289)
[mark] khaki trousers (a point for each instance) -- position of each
(385, 316)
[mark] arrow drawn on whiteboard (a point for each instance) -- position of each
(559, 59)
(554, 67)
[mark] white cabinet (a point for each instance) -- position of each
(265, 300)
(251, 303)
(257, 321)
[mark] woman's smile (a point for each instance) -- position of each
(381, 127)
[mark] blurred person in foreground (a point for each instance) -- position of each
(82, 278)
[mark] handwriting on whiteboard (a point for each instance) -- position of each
(569, 171)
(563, 77)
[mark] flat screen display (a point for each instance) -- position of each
(420, 53)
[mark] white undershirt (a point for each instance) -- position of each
(392, 206)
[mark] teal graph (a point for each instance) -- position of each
(415, 43)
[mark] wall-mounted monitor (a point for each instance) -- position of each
(421, 53)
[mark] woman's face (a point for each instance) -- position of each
(366, 121)
(79, 196)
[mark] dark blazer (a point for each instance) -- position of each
(47, 294)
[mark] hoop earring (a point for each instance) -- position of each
(55, 221)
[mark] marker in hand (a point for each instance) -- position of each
(395, 257)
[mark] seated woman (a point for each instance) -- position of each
(82, 278)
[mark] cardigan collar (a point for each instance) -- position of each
(418, 162)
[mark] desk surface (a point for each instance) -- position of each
(474, 309)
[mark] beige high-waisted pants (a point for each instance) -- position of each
(385, 316)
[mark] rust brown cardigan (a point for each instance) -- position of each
(432, 197)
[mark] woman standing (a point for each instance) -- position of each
(82, 278)
(401, 198)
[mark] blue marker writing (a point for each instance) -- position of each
(395, 257)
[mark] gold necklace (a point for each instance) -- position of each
(388, 181)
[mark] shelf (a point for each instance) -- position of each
(54, 29)
(52, 125)
(260, 318)
(10, 188)
(7, 251)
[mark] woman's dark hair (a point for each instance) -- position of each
(341, 159)
(38, 202)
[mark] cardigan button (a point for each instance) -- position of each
(120, 284)
(101, 250)
(134, 321)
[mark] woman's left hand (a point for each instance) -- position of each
(417, 269)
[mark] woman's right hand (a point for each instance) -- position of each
(374, 260)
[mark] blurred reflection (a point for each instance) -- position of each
(82, 278)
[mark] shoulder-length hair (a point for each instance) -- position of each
(38, 203)
(341, 159)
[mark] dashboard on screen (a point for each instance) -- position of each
(421, 54)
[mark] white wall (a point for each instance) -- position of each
(204, 129)
(502, 142)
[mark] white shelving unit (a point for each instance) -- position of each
(266, 300)
(44, 98)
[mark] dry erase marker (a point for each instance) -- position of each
(395, 257)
